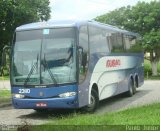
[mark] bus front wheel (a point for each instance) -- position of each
(94, 101)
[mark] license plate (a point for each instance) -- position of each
(41, 104)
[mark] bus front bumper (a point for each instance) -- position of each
(49, 103)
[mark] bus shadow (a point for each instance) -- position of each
(51, 114)
(119, 102)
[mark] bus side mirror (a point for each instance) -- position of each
(4, 55)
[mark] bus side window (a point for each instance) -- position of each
(98, 41)
(83, 53)
(116, 42)
(132, 44)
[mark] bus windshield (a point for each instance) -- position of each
(44, 57)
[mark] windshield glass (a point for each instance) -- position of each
(44, 57)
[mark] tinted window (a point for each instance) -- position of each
(83, 53)
(115, 40)
(98, 41)
(132, 44)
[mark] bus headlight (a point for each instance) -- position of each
(18, 96)
(67, 94)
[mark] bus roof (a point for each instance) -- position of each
(71, 23)
(50, 24)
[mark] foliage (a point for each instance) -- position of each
(142, 18)
(158, 68)
(4, 77)
(116, 17)
(147, 68)
(151, 43)
(17, 12)
(136, 48)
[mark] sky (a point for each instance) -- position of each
(86, 9)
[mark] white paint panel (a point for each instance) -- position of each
(108, 91)
(107, 78)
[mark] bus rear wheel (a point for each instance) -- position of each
(134, 88)
(131, 90)
(94, 102)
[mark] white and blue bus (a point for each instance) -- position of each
(73, 64)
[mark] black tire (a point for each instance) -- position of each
(94, 102)
(134, 87)
(131, 90)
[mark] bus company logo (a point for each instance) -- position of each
(113, 63)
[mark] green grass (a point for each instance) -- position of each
(76, 128)
(4, 78)
(152, 77)
(5, 93)
(5, 96)
(144, 115)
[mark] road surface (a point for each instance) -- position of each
(148, 93)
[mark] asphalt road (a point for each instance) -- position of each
(148, 93)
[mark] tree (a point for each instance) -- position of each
(151, 43)
(17, 12)
(116, 17)
(143, 18)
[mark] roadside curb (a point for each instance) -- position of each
(5, 104)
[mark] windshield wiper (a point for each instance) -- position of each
(49, 71)
(31, 71)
